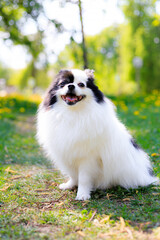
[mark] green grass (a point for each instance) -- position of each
(33, 207)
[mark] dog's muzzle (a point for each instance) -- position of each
(71, 98)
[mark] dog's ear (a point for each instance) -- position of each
(50, 97)
(65, 74)
(89, 73)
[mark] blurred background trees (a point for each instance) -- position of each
(14, 15)
(125, 57)
(143, 41)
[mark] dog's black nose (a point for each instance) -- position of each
(71, 87)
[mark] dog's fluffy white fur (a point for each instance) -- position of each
(86, 140)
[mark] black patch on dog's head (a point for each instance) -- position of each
(99, 97)
(63, 77)
(135, 145)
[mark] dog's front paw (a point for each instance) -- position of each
(68, 185)
(63, 186)
(83, 196)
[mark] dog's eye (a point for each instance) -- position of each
(81, 85)
(61, 85)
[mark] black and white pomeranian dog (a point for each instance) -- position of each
(78, 128)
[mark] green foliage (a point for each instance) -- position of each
(103, 56)
(26, 74)
(111, 52)
(37, 77)
(14, 16)
(5, 72)
(16, 77)
(143, 41)
(42, 78)
(21, 78)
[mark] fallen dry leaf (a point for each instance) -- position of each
(43, 190)
(6, 187)
(16, 177)
(24, 198)
(82, 234)
(9, 170)
(86, 202)
(126, 199)
(43, 193)
(15, 217)
(110, 195)
(106, 219)
(60, 204)
(19, 176)
(122, 222)
(48, 206)
(54, 184)
(93, 215)
(28, 175)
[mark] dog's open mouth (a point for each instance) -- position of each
(72, 99)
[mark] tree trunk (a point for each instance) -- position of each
(85, 60)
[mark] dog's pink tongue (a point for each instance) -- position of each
(71, 98)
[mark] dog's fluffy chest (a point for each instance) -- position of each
(73, 134)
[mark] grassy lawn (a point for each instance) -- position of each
(33, 207)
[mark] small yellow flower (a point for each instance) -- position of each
(156, 23)
(136, 113)
(157, 103)
(154, 154)
(22, 109)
